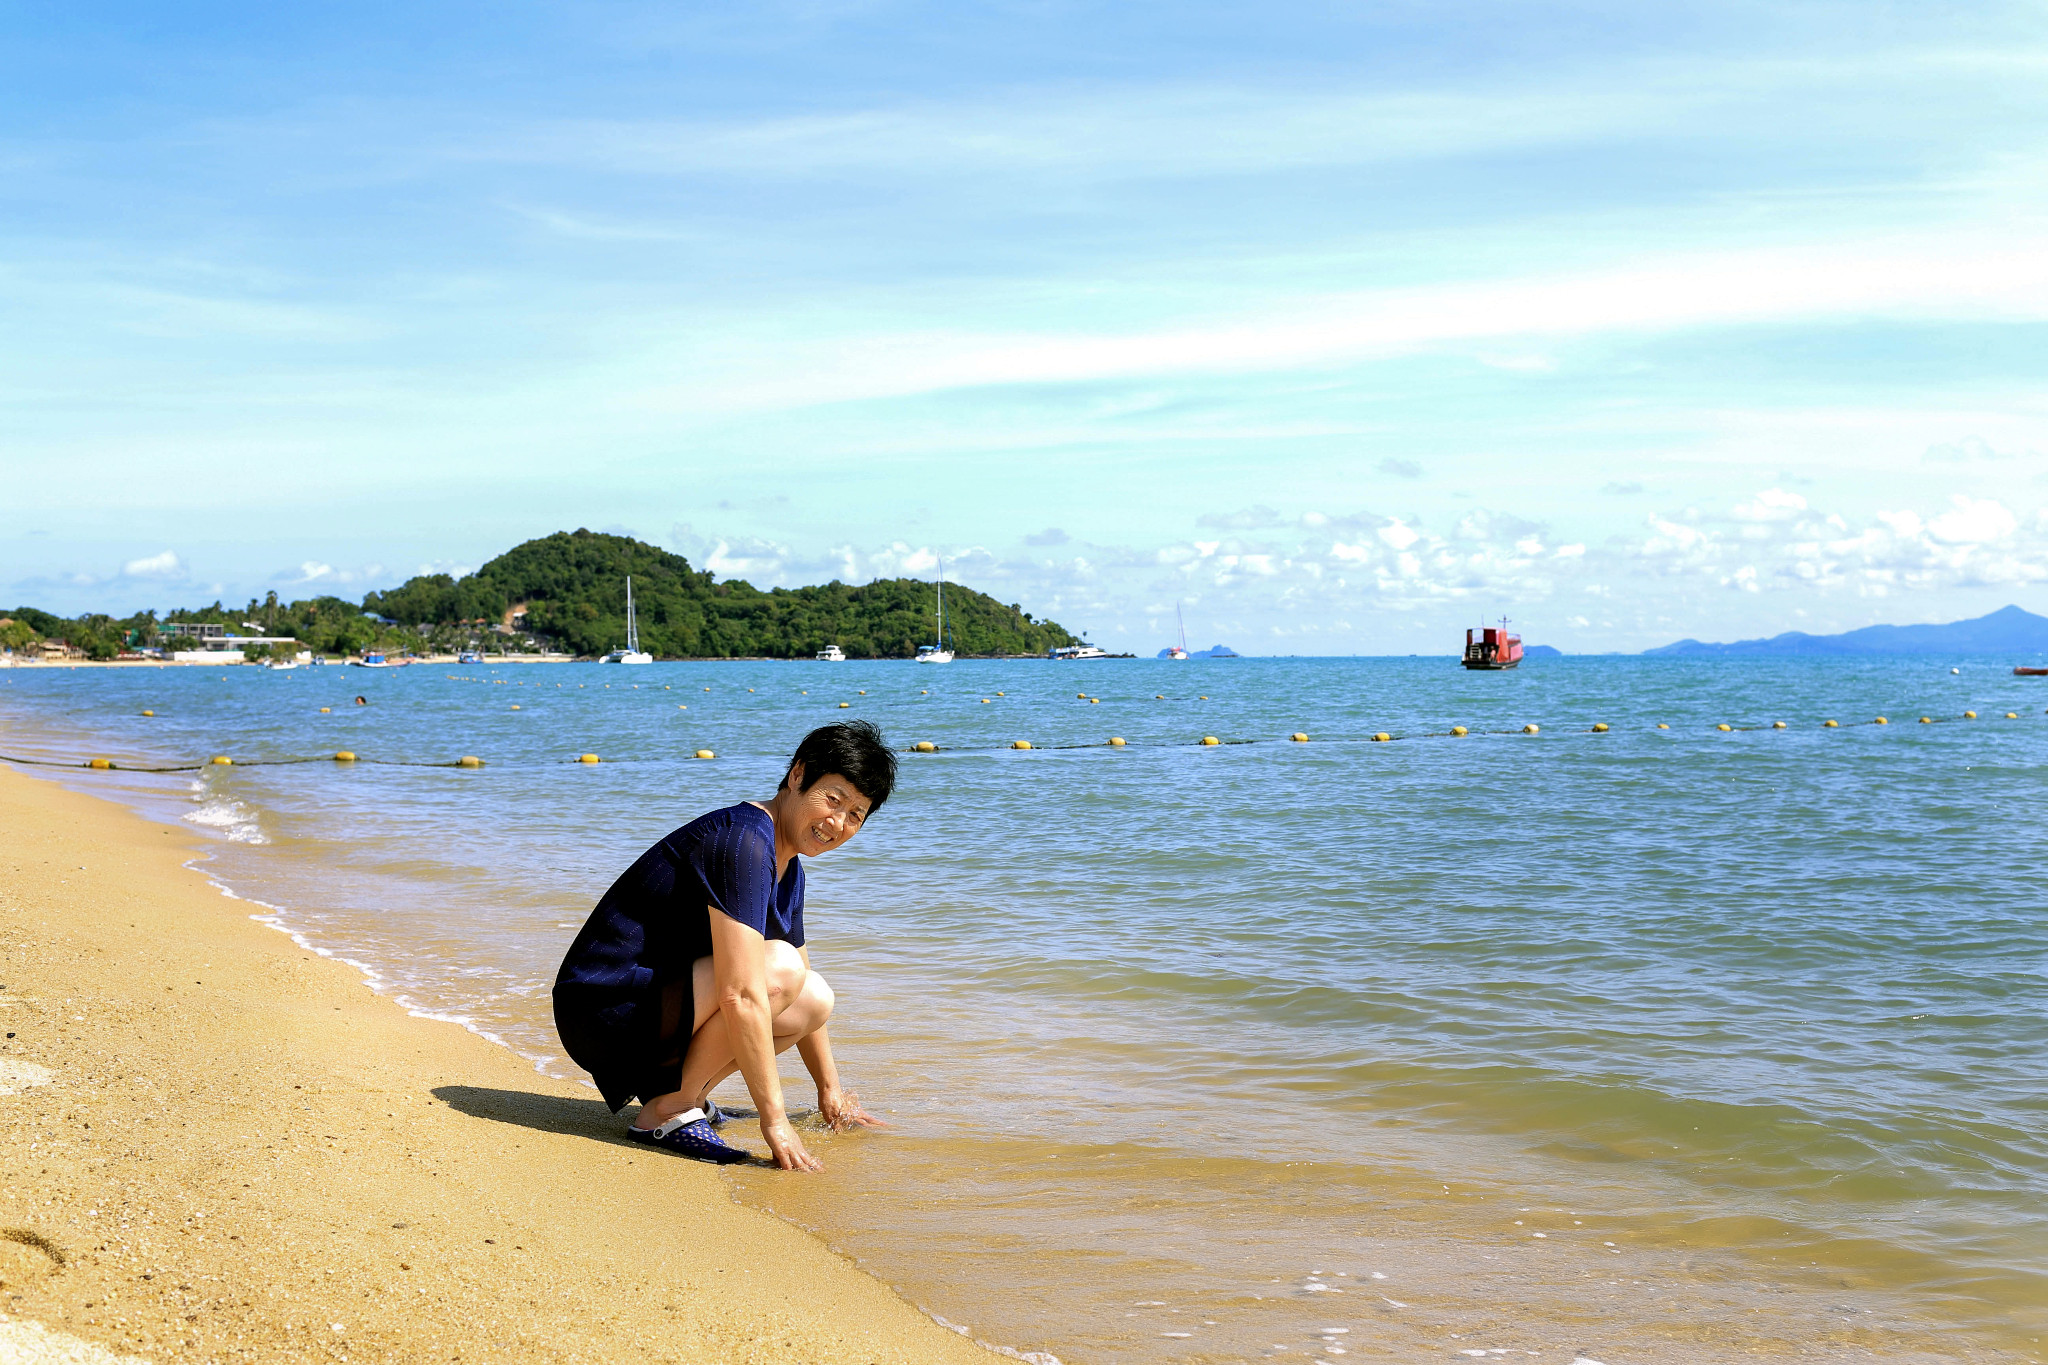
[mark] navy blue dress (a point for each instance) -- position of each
(648, 932)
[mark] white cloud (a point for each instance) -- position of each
(165, 565)
(1973, 521)
(1773, 504)
(1399, 534)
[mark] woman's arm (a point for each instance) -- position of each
(739, 966)
(837, 1105)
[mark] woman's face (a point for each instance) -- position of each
(821, 819)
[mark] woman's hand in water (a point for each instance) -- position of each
(787, 1148)
(841, 1110)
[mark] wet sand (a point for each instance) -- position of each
(215, 1145)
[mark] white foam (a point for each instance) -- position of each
(233, 819)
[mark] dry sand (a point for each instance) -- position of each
(215, 1145)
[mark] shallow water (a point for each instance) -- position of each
(1650, 1043)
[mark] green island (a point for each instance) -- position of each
(566, 593)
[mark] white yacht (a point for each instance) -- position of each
(938, 653)
(631, 653)
(1177, 652)
(1074, 653)
(831, 654)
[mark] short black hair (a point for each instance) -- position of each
(852, 748)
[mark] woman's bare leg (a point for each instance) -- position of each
(801, 1002)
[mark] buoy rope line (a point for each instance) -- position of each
(928, 747)
(108, 765)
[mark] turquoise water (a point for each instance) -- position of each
(1184, 1046)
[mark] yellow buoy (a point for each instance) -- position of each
(1724, 726)
(469, 761)
(1881, 721)
(1159, 696)
(1002, 694)
(2012, 715)
(707, 689)
(1381, 738)
(99, 763)
(1662, 726)
(984, 701)
(1927, 720)
(1211, 740)
(1020, 744)
(149, 713)
(1095, 701)
(1298, 737)
(1599, 727)
(863, 691)
(925, 746)
(1116, 741)
(515, 706)
(1080, 696)
(1201, 699)
(223, 760)
(922, 691)
(588, 758)
(706, 753)
(1969, 715)
(344, 756)
(1777, 725)
(1830, 725)
(843, 705)
(1531, 729)
(1460, 731)
(326, 710)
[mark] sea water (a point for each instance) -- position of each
(1650, 1044)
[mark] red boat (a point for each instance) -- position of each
(1492, 648)
(2032, 672)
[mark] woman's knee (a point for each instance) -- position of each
(818, 999)
(786, 973)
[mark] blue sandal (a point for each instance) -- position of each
(690, 1134)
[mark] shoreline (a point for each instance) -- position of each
(238, 1151)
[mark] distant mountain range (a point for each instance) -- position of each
(2006, 631)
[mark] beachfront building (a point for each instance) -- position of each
(216, 646)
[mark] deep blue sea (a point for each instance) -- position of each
(1650, 1044)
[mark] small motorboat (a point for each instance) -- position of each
(469, 656)
(2026, 672)
(830, 654)
(373, 659)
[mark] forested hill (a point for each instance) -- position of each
(573, 587)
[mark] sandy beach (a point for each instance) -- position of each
(219, 1146)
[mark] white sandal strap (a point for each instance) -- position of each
(681, 1120)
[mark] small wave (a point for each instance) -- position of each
(233, 819)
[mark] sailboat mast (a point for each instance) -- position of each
(632, 625)
(940, 638)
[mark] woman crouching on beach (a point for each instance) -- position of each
(693, 966)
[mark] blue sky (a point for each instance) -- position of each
(1344, 326)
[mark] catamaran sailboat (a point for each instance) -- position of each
(631, 653)
(938, 653)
